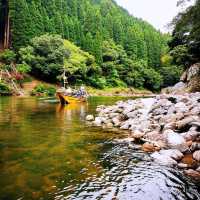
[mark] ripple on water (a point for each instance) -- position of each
(131, 175)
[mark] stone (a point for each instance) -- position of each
(193, 173)
(172, 153)
(109, 125)
(98, 121)
(175, 141)
(196, 155)
(182, 165)
(90, 118)
(195, 146)
(163, 160)
(125, 126)
(188, 159)
(149, 147)
(116, 121)
(198, 169)
(181, 107)
(193, 71)
(137, 134)
(186, 122)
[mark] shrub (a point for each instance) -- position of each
(23, 68)
(4, 89)
(7, 56)
(43, 90)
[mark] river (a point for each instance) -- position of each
(49, 152)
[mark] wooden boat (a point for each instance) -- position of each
(65, 99)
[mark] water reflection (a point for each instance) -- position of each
(48, 152)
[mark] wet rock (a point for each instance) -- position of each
(191, 135)
(186, 122)
(109, 125)
(163, 160)
(149, 147)
(172, 153)
(198, 169)
(171, 126)
(188, 159)
(124, 141)
(116, 121)
(89, 117)
(196, 155)
(175, 141)
(181, 107)
(137, 134)
(182, 165)
(193, 173)
(195, 146)
(98, 121)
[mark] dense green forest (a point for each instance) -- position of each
(126, 51)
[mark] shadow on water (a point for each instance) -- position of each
(49, 152)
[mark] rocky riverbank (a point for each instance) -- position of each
(168, 126)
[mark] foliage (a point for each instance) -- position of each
(186, 36)
(43, 90)
(79, 63)
(87, 23)
(7, 56)
(170, 72)
(116, 49)
(45, 55)
(4, 89)
(23, 68)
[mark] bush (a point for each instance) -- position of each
(97, 82)
(7, 56)
(43, 90)
(4, 89)
(45, 55)
(23, 68)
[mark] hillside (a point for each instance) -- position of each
(127, 51)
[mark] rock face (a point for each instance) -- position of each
(189, 81)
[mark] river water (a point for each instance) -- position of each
(49, 152)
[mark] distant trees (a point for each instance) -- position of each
(127, 51)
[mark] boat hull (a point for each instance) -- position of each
(64, 99)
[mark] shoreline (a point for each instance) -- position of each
(167, 125)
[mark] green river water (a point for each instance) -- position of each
(50, 152)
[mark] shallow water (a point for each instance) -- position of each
(49, 152)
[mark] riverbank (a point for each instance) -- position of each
(167, 125)
(119, 91)
(29, 87)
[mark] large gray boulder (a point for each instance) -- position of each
(175, 140)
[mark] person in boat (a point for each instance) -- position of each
(68, 91)
(81, 92)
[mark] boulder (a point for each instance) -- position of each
(98, 121)
(137, 134)
(172, 153)
(186, 122)
(182, 165)
(90, 118)
(116, 121)
(163, 160)
(181, 107)
(149, 147)
(198, 169)
(196, 155)
(193, 173)
(195, 146)
(175, 141)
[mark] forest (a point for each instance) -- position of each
(123, 51)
